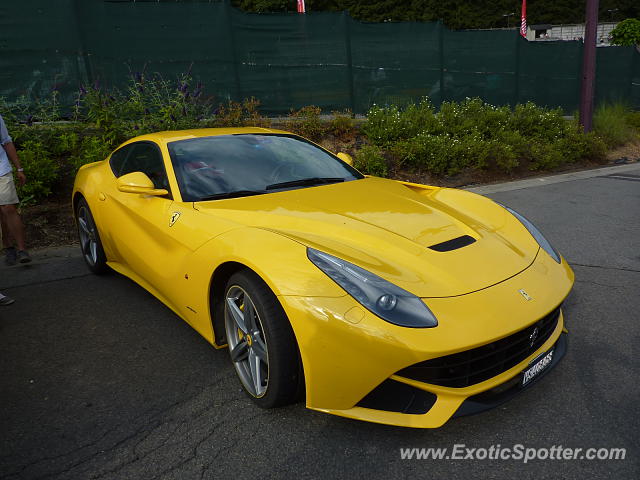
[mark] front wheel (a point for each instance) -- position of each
(261, 342)
(90, 243)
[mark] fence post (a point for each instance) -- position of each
(579, 74)
(83, 60)
(443, 96)
(516, 73)
(632, 71)
(347, 40)
(234, 54)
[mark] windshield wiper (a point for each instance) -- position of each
(235, 194)
(305, 181)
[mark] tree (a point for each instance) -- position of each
(626, 32)
(456, 14)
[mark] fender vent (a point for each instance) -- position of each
(453, 244)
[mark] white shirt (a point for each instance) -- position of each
(5, 166)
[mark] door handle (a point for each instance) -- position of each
(102, 197)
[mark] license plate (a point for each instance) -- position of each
(538, 365)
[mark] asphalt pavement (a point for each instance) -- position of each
(98, 380)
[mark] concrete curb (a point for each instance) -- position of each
(542, 181)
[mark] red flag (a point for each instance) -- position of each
(523, 18)
(301, 7)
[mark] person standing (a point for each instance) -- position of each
(12, 228)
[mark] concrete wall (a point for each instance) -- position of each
(572, 32)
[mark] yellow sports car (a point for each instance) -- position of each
(373, 299)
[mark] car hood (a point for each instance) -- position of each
(388, 227)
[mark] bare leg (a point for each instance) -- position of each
(15, 229)
(7, 241)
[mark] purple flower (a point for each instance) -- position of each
(173, 119)
(146, 111)
(136, 127)
(138, 77)
(83, 91)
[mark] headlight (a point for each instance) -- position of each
(382, 298)
(533, 230)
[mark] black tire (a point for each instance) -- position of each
(284, 375)
(90, 243)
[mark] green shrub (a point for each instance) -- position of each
(307, 122)
(253, 116)
(41, 170)
(386, 125)
(148, 104)
(342, 125)
(424, 152)
(613, 124)
(474, 134)
(370, 161)
(633, 120)
(588, 146)
(446, 154)
(545, 156)
(91, 149)
(627, 32)
(245, 114)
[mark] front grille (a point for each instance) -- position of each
(479, 364)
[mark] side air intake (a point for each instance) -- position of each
(453, 244)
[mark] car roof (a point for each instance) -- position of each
(175, 135)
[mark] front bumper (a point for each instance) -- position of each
(450, 402)
(505, 392)
(348, 355)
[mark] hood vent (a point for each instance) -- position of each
(453, 244)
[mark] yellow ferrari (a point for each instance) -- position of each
(370, 298)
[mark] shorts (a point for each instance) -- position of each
(8, 194)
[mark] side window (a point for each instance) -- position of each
(142, 157)
(118, 158)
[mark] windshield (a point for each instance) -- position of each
(227, 166)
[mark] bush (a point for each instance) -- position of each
(474, 134)
(384, 126)
(90, 149)
(613, 123)
(370, 161)
(627, 32)
(342, 125)
(41, 170)
(245, 114)
(307, 122)
(633, 120)
(148, 104)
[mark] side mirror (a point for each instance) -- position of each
(346, 158)
(138, 182)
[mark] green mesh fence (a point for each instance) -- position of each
(289, 60)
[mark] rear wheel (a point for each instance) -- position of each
(90, 243)
(261, 342)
